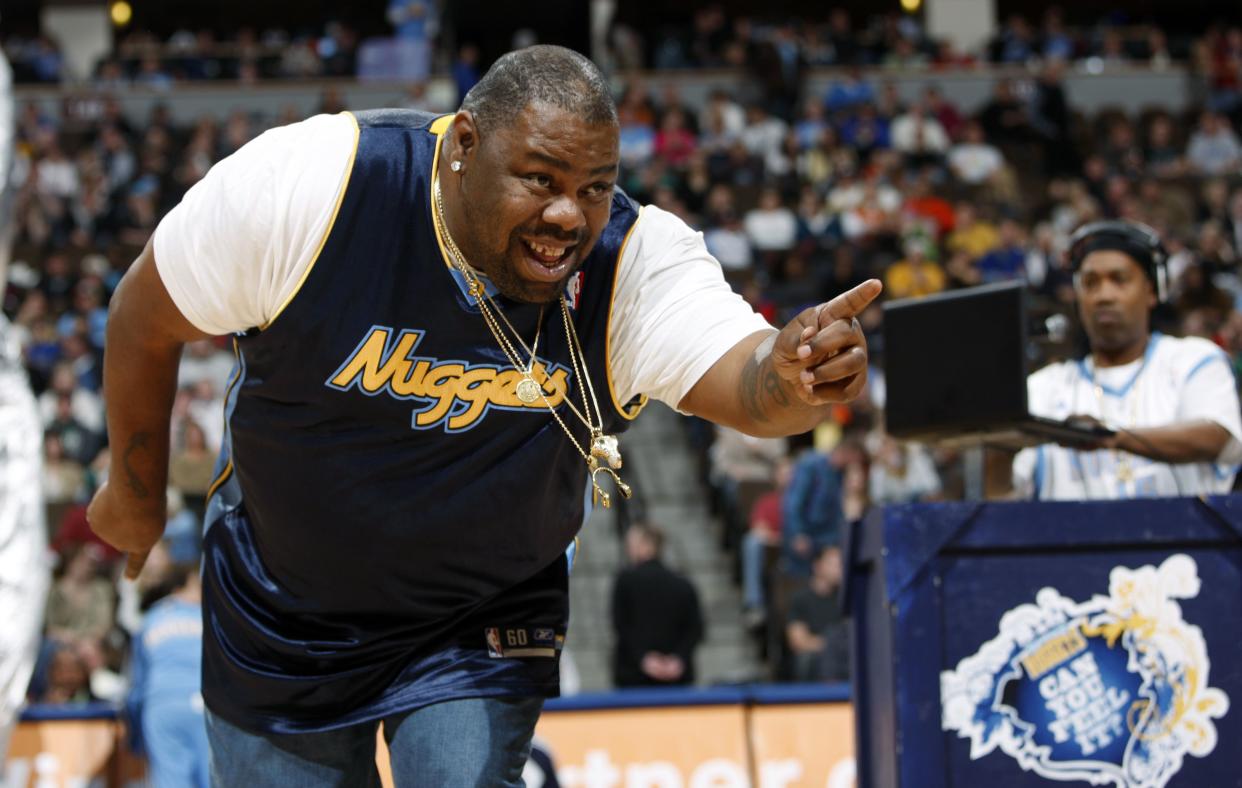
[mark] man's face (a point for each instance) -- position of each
(536, 196)
(828, 567)
(1115, 298)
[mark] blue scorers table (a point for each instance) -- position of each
(1036, 644)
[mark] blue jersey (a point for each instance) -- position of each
(390, 524)
(167, 659)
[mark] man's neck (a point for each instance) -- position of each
(1117, 358)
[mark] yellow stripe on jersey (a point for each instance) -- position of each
(632, 413)
(228, 391)
(438, 127)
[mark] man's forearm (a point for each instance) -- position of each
(1196, 441)
(771, 403)
(140, 382)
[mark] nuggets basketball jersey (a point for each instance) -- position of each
(386, 505)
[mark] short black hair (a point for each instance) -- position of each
(540, 74)
(651, 533)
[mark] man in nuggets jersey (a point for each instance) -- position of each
(440, 324)
(1172, 402)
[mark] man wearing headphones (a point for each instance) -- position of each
(1172, 403)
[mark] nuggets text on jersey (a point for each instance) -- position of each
(457, 393)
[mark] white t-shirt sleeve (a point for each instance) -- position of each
(674, 316)
(238, 246)
(1210, 392)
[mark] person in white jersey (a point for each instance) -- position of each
(1172, 402)
(23, 541)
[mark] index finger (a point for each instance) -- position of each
(134, 563)
(851, 303)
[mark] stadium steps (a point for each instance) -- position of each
(661, 465)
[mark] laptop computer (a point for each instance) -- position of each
(955, 367)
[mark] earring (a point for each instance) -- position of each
(455, 166)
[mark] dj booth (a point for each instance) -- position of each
(1016, 644)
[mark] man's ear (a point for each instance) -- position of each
(464, 137)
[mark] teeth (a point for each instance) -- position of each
(549, 251)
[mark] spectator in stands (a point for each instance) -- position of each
(656, 616)
(1164, 159)
(811, 514)
(80, 606)
(165, 704)
(728, 242)
(924, 209)
(466, 69)
(762, 536)
(845, 43)
(1199, 294)
(674, 142)
(865, 130)
(919, 136)
(816, 633)
(68, 678)
(77, 441)
(741, 468)
(1015, 42)
(970, 234)
(1050, 120)
(1004, 118)
(64, 479)
(204, 360)
(1214, 148)
(973, 161)
(914, 275)
(182, 533)
(1121, 151)
(1008, 259)
(764, 138)
(85, 406)
(902, 472)
(191, 469)
(1056, 43)
(721, 116)
(771, 226)
(943, 110)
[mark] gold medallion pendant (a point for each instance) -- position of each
(528, 390)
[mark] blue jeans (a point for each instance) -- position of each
(471, 743)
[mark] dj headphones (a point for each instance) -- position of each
(1138, 241)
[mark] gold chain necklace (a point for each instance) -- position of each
(603, 447)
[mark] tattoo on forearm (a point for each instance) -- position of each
(140, 442)
(761, 387)
(775, 387)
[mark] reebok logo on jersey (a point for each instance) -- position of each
(453, 393)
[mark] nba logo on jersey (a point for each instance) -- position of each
(573, 290)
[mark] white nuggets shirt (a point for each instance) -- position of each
(1176, 380)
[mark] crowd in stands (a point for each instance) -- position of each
(799, 196)
(778, 51)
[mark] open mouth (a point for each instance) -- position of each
(547, 254)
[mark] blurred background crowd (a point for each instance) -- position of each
(800, 194)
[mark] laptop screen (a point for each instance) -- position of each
(955, 362)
